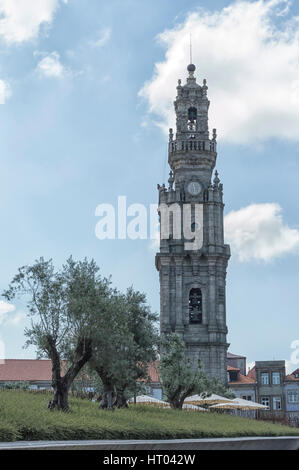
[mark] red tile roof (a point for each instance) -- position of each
(292, 376)
(251, 373)
(27, 370)
(242, 379)
(34, 370)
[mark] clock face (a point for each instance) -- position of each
(194, 188)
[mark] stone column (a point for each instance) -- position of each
(179, 294)
(212, 326)
(211, 226)
(164, 296)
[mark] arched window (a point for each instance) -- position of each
(195, 306)
(192, 114)
(192, 118)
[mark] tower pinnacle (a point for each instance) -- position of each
(191, 69)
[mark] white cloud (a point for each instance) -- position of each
(9, 315)
(103, 37)
(5, 311)
(5, 308)
(15, 319)
(21, 20)
(249, 52)
(50, 66)
(5, 91)
(257, 232)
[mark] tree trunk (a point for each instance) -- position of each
(177, 400)
(61, 385)
(176, 404)
(108, 397)
(121, 401)
(60, 399)
(174, 399)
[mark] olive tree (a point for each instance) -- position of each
(179, 379)
(125, 344)
(61, 305)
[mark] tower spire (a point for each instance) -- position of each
(191, 67)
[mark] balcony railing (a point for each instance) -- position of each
(193, 145)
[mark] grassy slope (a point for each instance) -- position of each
(24, 416)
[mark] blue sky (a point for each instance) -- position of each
(83, 117)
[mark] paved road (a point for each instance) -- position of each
(245, 443)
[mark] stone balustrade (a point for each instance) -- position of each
(193, 145)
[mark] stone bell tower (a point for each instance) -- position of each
(193, 277)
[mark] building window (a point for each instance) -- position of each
(266, 402)
(277, 403)
(275, 378)
(195, 306)
(293, 396)
(265, 378)
(192, 119)
(247, 397)
(233, 375)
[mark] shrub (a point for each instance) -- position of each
(8, 432)
(16, 386)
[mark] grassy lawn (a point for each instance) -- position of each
(24, 416)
